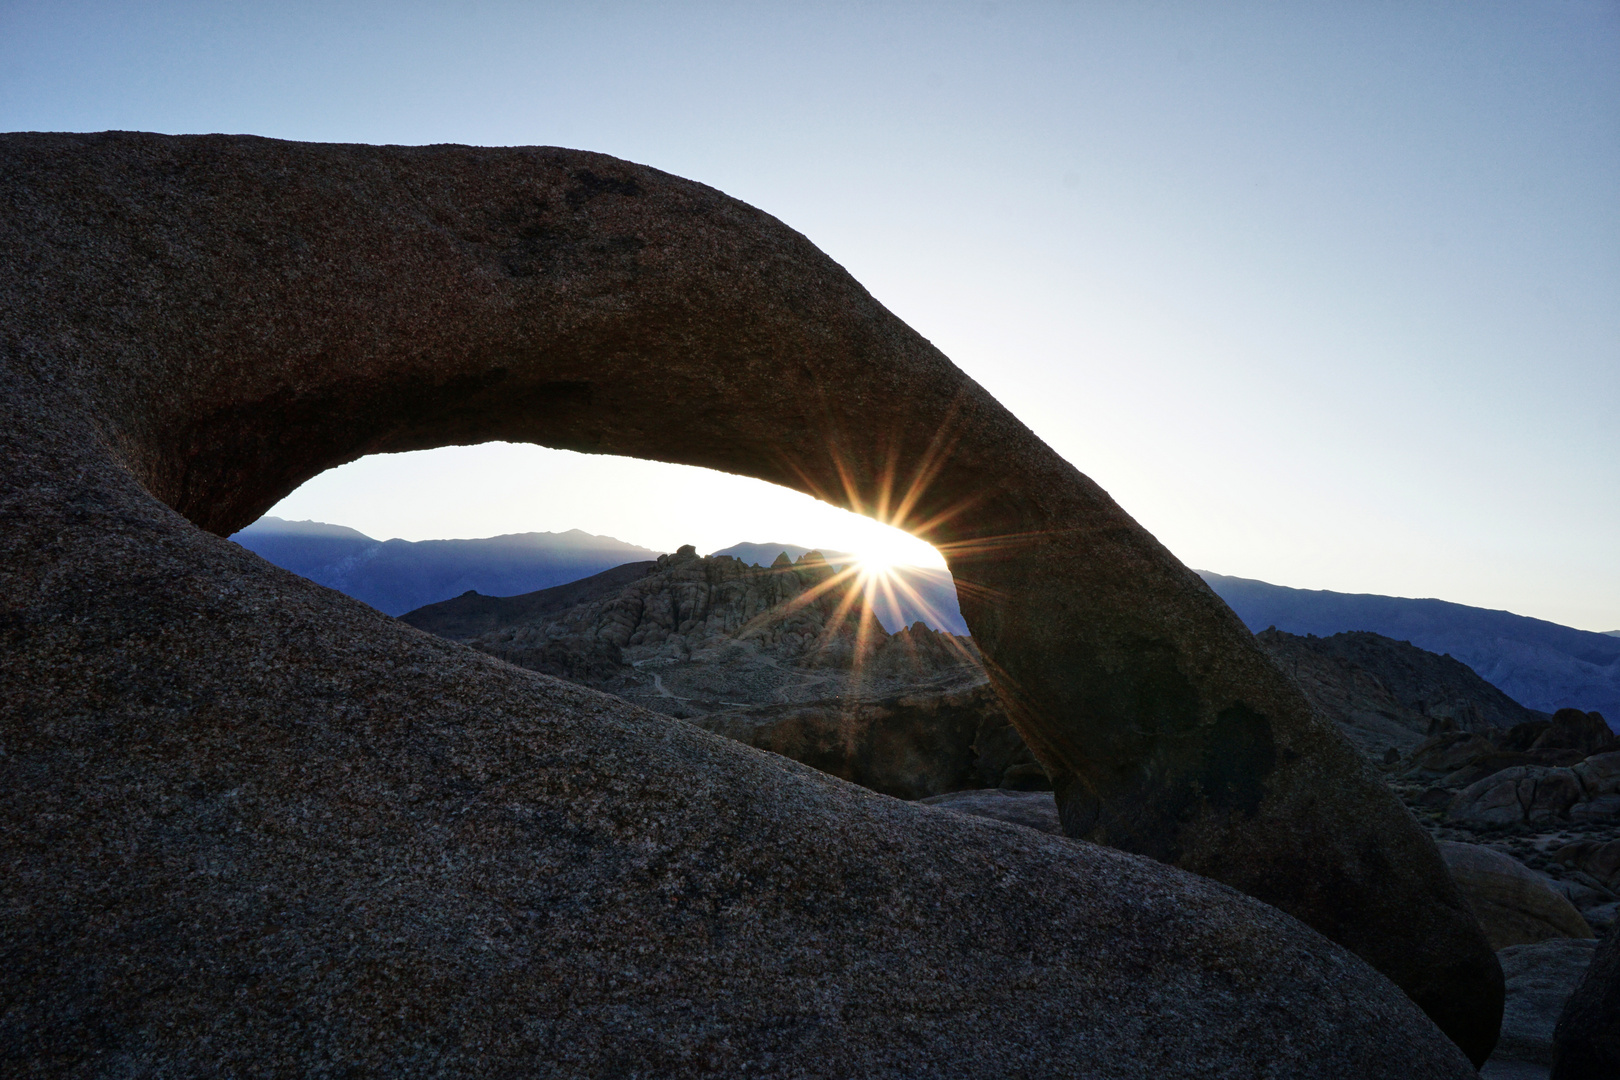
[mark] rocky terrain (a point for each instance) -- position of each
(1521, 803)
(1387, 694)
(1477, 768)
(249, 822)
(787, 658)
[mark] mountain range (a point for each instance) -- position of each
(1542, 665)
(1539, 664)
(396, 576)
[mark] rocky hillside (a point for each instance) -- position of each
(1391, 694)
(1541, 664)
(788, 658)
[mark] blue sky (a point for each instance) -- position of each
(1326, 294)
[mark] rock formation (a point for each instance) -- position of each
(1587, 790)
(788, 659)
(1032, 809)
(1586, 1042)
(1540, 979)
(1387, 693)
(1571, 729)
(1514, 905)
(249, 820)
(1600, 860)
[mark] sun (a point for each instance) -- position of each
(881, 554)
(876, 564)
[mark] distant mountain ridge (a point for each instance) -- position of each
(396, 576)
(1539, 664)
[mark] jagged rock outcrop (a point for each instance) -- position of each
(805, 613)
(1571, 729)
(246, 820)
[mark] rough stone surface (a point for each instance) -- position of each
(788, 659)
(1600, 860)
(1586, 1042)
(246, 820)
(1540, 977)
(1508, 1069)
(1573, 729)
(1389, 694)
(1512, 902)
(1032, 809)
(1586, 791)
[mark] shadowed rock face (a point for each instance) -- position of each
(243, 811)
(1586, 1042)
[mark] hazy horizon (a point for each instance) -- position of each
(1325, 296)
(829, 550)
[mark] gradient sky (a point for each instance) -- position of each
(1326, 294)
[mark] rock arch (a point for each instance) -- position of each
(211, 320)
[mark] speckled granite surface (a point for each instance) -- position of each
(252, 827)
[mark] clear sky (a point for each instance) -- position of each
(1326, 294)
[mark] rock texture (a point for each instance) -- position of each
(1588, 790)
(1540, 979)
(246, 820)
(1572, 729)
(1586, 1042)
(1513, 904)
(1031, 809)
(1387, 693)
(789, 659)
(1599, 860)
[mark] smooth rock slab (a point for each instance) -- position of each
(1540, 978)
(1512, 902)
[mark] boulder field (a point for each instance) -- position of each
(249, 821)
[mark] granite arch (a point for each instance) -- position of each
(209, 321)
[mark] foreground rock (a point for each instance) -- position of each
(1513, 904)
(1540, 978)
(247, 821)
(1586, 1042)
